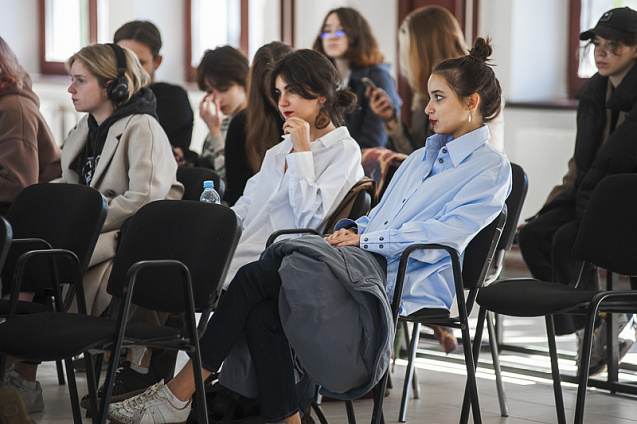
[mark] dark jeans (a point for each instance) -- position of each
(250, 306)
(546, 243)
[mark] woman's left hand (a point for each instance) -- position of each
(344, 237)
(299, 131)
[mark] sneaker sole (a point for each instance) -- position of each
(86, 403)
(116, 421)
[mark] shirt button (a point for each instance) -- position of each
(381, 246)
(440, 160)
(365, 247)
(386, 222)
(404, 200)
(365, 239)
(444, 150)
(381, 238)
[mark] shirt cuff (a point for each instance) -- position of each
(302, 164)
(375, 242)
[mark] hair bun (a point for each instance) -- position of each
(481, 49)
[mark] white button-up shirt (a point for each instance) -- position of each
(302, 196)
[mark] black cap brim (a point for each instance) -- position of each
(605, 32)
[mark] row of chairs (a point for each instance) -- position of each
(161, 248)
(173, 258)
(606, 238)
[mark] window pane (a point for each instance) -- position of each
(591, 11)
(214, 23)
(67, 28)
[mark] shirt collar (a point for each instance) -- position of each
(461, 147)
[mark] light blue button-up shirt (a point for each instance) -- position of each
(445, 193)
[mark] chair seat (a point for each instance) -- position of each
(529, 297)
(427, 314)
(60, 335)
(24, 307)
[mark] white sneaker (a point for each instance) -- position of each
(156, 405)
(30, 391)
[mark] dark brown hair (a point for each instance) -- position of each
(471, 74)
(312, 75)
(362, 49)
(222, 67)
(262, 115)
(144, 32)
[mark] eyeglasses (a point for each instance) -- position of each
(326, 35)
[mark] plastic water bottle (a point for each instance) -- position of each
(209, 194)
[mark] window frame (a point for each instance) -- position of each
(191, 71)
(574, 81)
(53, 67)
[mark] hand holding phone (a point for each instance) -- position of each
(369, 83)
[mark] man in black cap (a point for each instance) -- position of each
(606, 144)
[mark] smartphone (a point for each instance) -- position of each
(369, 83)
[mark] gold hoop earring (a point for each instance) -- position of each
(322, 120)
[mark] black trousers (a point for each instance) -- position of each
(546, 243)
(250, 306)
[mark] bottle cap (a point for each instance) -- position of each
(208, 184)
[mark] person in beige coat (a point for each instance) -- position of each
(119, 148)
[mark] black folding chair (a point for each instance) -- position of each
(467, 279)
(192, 177)
(357, 202)
(65, 219)
(514, 203)
(172, 258)
(606, 238)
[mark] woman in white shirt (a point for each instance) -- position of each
(305, 176)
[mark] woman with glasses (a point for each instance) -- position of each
(604, 145)
(346, 39)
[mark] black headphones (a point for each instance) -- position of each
(117, 90)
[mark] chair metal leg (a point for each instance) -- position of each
(471, 374)
(495, 356)
(379, 397)
(557, 386)
(60, 370)
(75, 400)
(319, 413)
(415, 385)
(585, 362)
(351, 416)
(92, 379)
(477, 342)
(409, 372)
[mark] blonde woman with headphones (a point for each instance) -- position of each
(119, 148)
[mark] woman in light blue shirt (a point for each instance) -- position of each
(444, 193)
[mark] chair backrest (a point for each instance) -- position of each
(479, 252)
(515, 201)
(357, 202)
(203, 236)
(5, 240)
(380, 164)
(192, 177)
(607, 235)
(67, 216)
